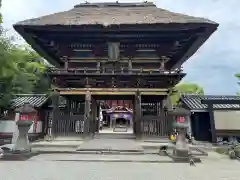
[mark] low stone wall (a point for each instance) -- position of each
(7, 127)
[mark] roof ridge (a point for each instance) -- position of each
(30, 94)
(193, 102)
(115, 4)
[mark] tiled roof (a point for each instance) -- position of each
(36, 100)
(114, 13)
(193, 102)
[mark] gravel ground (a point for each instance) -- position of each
(43, 168)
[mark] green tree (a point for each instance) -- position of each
(0, 13)
(188, 88)
(238, 78)
(21, 71)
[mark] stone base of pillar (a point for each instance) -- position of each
(22, 142)
(185, 159)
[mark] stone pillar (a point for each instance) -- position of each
(87, 116)
(138, 114)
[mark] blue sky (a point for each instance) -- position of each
(212, 67)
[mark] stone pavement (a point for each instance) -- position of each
(215, 167)
(105, 144)
(149, 158)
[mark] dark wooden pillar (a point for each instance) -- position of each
(55, 110)
(87, 115)
(138, 114)
(94, 115)
(134, 116)
(168, 107)
(212, 123)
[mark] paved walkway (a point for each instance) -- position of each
(216, 167)
(149, 158)
(110, 145)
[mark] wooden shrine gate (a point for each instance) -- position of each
(79, 116)
(154, 120)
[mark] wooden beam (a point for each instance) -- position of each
(111, 93)
(153, 93)
(121, 34)
(114, 89)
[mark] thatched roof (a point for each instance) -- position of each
(114, 14)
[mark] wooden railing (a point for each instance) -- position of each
(69, 125)
(78, 71)
(155, 126)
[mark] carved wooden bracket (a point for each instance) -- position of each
(113, 83)
(163, 61)
(138, 82)
(89, 82)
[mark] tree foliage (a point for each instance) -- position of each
(0, 12)
(238, 77)
(185, 88)
(21, 71)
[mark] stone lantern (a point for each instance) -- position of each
(24, 123)
(181, 149)
(180, 117)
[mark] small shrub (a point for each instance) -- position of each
(222, 150)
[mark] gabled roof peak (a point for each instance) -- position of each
(114, 4)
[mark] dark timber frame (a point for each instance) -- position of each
(99, 57)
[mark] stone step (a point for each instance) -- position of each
(114, 136)
(57, 144)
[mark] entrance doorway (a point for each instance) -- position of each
(201, 127)
(115, 114)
